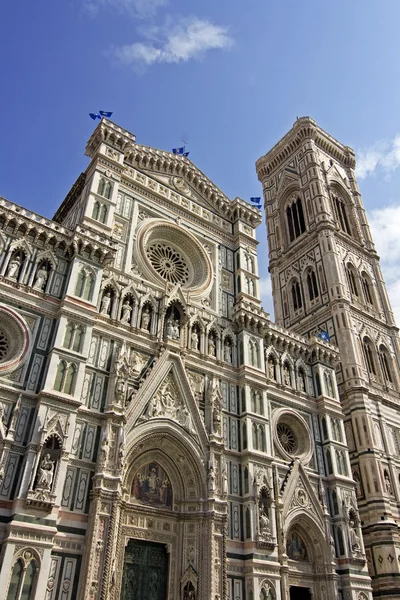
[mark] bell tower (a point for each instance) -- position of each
(326, 277)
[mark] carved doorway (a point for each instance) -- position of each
(299, 593)
(145, 571)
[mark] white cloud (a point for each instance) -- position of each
(384, 155)
(135, 8)
(384, 224)
(189, 39)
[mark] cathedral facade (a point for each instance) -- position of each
(160, 437)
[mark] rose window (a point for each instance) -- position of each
(168, 252)
(292, 435)
(286, 438)
(14, 340)
(168, 263)
(4, 345)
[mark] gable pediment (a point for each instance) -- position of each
(166, 396)
(300, 496)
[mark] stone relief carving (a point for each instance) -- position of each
(167, 403)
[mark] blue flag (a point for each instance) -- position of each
(94, 116)
(324, 335)
(105, 113)
(256, 200)
(186, 154)
(178, 150)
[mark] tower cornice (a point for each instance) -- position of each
(303, 129)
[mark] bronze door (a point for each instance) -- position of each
(145, 571)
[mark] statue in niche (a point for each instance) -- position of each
(41, 278)
(216, 404)
(212, 349)
(105, 304)
(286, 375)
(146, 318)
(271, 368)
(189, 592)
(264, 524)
(122, 371)
(13, 267)
(388, 484)
(170, 328)
(176, 334)
(332, 547)
(151, 485)
(301, 382)
(46, 473)
(354, 539)
(194, 340)
(126, 312)
(211, 479)
(227, 352)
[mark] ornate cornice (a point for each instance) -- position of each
(31, 225)
(304, 129)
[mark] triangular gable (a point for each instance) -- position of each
(299, 496)
(183, 185)
(167, 395)
(288, 178)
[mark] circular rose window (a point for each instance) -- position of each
(168, 263)
(292, 435)
(14, 339)
(167, 252)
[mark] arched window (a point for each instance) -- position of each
(22, 580)
(69, 385)
(104, 188)
(296, 296)
(369, 356)
(324, 428)
(329, 462)
(255, 436)
(261, 438)
(318, 384)
(341, 214)
(69, 333)
(385, 361)
(246, 480)
(78, 338)
(244, 435)
(260, 402)
(107, 190)
(85, 285)
(60, 376)
(103, 213)
(248, 523)
(96, 210)
(352, 278)
(367, 286)
(80, 283)
(312, 285)
(335, 504)
(253, 401)
(295, 219)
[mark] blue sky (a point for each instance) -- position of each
(230, 77)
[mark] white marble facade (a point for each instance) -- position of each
(147, 398)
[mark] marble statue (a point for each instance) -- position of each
(46, 473)
(41, 278)
(105, 304)
(126, 311)
(14, 267)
